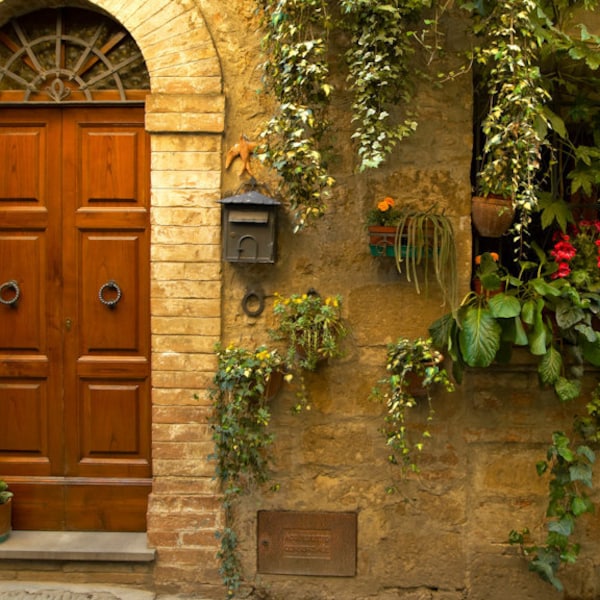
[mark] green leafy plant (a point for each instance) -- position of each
(515, 125)
(571, 470)
(425, 240)
(312, 327)
(241, 437)
(5, 493)
(382, 44)
(414, 368)
(550, 315)
(296, 73)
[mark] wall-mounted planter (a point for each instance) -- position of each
(492, 215)
(5, 520)
(382, 241)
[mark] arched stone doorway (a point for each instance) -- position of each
(184, 115)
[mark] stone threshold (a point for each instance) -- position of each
(77, 545)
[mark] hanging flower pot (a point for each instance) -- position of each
(274, 384)
(492, 215)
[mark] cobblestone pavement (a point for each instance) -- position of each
(15, 590)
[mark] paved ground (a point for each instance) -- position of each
(15, 590)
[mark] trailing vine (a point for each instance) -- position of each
(296, 72)
(380, 73)
(240, 434)
(570, 465)
(515, 127)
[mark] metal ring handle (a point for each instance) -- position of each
(256, 299)
(10, 285)
(109, 285)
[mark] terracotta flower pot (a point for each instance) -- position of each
(5, 520)
(492, 215)
(479, 290)
(274, 384)
(381, 239)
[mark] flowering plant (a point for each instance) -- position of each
(577, 255)
(414, 368)
(384, 213)
(311, 325)
(241, 435)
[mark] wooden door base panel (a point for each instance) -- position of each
(92, 504)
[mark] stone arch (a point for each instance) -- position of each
(172, 35)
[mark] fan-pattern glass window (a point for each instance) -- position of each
(69, 55)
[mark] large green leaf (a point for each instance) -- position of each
(550, 366)
(504, 306)
(567, 389)
(479, 337)
(567, 315)
(537, 339)
(591, 351)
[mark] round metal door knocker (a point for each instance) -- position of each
(9, 292)
(113, 286)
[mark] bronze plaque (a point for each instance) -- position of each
(307, 543)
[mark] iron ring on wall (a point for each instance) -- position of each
(252, 297)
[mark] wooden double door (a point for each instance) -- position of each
(74, 317)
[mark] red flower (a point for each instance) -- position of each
(564, 270)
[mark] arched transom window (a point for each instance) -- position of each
(69, 55)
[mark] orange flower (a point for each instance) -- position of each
(385, 204)
(494, 256)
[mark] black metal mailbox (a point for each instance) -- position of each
(249, 228)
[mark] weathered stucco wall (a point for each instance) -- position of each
(443, 535)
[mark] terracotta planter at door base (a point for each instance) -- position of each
(5, 520)
(492, 215)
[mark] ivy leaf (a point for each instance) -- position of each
(546, 564)
(581, 472)
(581, 505)
(564, 526)
(587, 452)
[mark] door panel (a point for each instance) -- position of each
(22, 322)
(74, 349)
(30, 341)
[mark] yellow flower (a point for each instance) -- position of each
(263, 355)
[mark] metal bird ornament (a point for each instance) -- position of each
(243, 149)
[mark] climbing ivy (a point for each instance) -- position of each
(383, 42)
(570, 465)
(296, 73)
